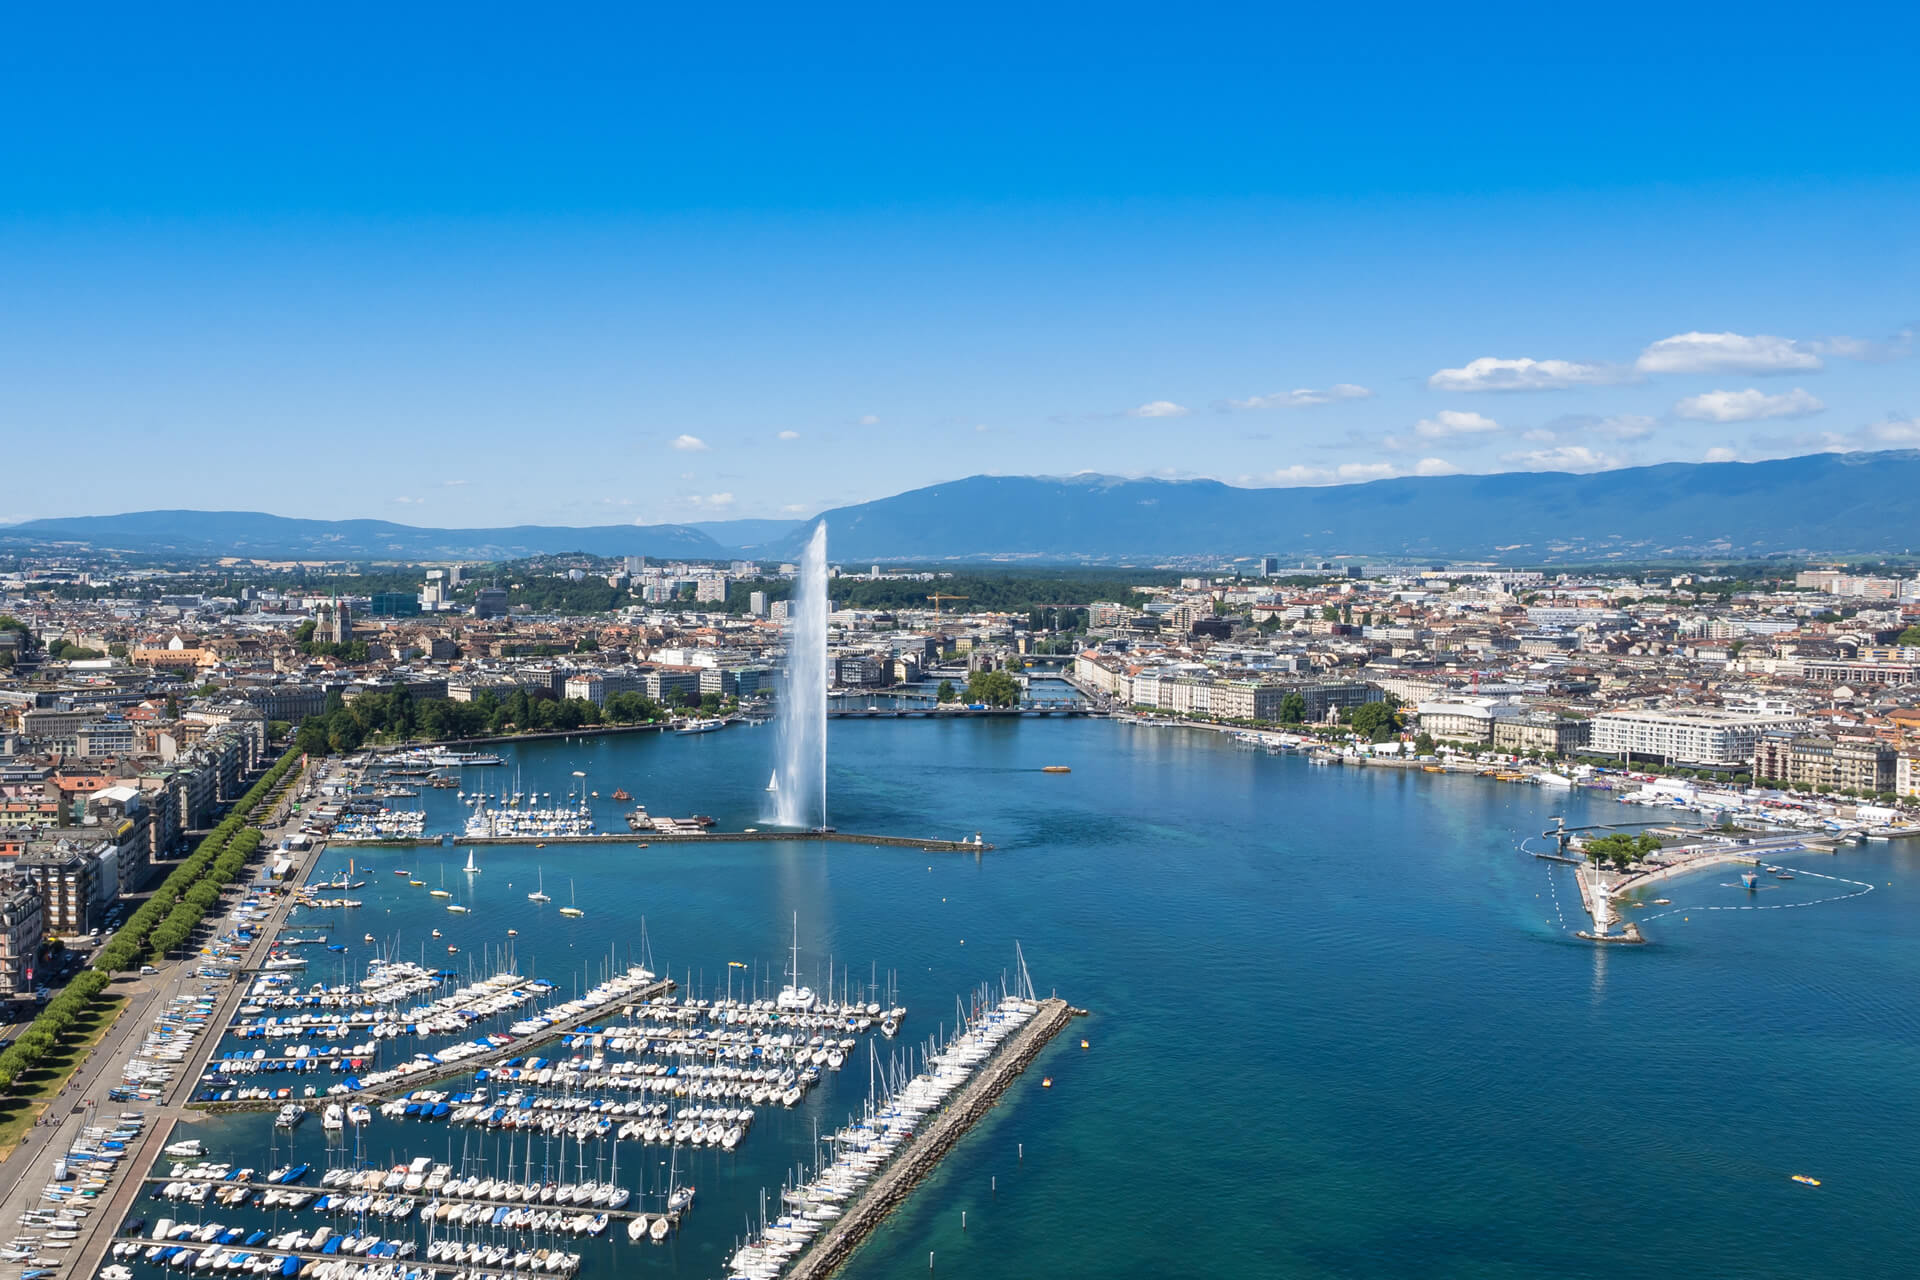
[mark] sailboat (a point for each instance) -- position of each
(442, 891)
(570, 909)
(794, 997)
(773, 783)
(541, 894)
(472, 868)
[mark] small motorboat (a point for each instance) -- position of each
(1806, 1181)
(620, 794)
(1055, 768)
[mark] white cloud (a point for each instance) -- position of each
(1435, 467)
(409, 502)
(1720, 453)
(789, 435)
(1625, 426)
(1566, 457)
(795, 508)
(1727, 353)
(1453, 422)
(1490, 373)
(453, 484)
(1366, 470)
(1539, 435)
(1896, 431)
(1297, 474)
(689, 444)
(1159, 409)
(1899, 346)
(1748, 406)
(869, 419)
(1303, 397)
(711, 500)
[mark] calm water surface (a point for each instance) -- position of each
(1337, 1027)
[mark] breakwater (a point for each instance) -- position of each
(705, 837)
(887, 1192)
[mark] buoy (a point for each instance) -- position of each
(1084, 1045)
(1046, 1082)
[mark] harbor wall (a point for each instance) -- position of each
(891, 1188)
(705, 837)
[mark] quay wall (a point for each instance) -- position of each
(828, 1253)
(705, 837)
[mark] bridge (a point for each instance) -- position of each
(938, 711)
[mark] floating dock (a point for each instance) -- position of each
(835, 1245)
(439, 1071)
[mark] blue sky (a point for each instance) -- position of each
(483, 266)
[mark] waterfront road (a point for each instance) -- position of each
(29, 1166)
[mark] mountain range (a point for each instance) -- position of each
(1819, 503)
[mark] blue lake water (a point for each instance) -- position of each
(1337, 1027)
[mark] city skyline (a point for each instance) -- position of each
(552, 280)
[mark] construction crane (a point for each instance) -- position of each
(936, 597)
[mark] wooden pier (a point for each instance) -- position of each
(887, 1192)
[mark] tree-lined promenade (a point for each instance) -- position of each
(84, 1010)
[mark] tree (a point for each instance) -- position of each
(1911, 636)
(993, 689)
(946, 691)
(1293, 709)
(1423, 744)
(1376, 721)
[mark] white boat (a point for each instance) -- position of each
(471, 868)
(461, 758)
(359, 1113)
(456, 908)
(335, 1117)
(541, 894)
(191, 1147)
(570, 910)
(794, 997)
(699, 726)
(773, 783)
(290, 1116)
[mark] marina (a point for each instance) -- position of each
(724, 900)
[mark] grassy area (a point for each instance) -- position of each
(32, 1093)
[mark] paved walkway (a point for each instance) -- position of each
(29, 1167)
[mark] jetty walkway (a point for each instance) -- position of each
(705, 837)
(835, 1245)
(433, 1074)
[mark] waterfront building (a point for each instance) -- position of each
(1825, 764)
(1695, 735)
(1542, 731)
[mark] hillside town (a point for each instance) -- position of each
(131, 714)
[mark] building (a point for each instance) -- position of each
(22, 926)
(1542, 731)
(588, 685)
(1860, 673)
(1697, 735)
(64, 874)
(1469, 720)
(105, 738)
(711, 588)
(757, 604)
(339, 625)
(490, 602)
(663, 682)
(394, 604)
(1825, 764)
(1269, 566)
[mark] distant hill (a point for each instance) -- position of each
(1827, 502)
(253, 533)
(747, 535)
